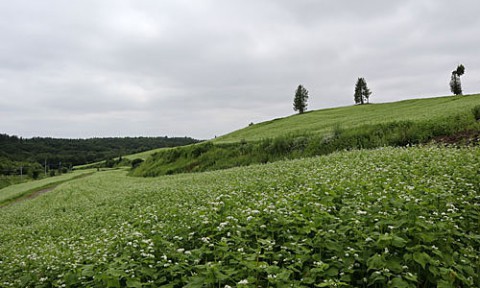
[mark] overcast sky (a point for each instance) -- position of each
(200, 68)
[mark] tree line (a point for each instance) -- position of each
(53, 153)
(362, 92)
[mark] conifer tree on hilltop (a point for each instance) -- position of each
(300, 100)
(455, 84)
(362, 93)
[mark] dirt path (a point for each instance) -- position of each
(38, 193)
(29, 196)
(41, 191)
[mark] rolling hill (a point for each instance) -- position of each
(325, 131)
(350, 117)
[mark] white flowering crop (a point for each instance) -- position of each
(398, 217)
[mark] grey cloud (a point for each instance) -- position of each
(204, 68)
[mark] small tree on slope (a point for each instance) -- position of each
(300, 100)
(455, 84)
(362, 93)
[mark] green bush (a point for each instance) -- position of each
(476, 112)
(136, 162)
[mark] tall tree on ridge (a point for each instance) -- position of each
(362, 93)
(300, 100)
(455, 84)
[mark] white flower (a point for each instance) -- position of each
(271, 276)
(244, 281)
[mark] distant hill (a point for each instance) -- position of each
(34, 152)
(325, 131)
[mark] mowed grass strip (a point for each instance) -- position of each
(15, 192)
(324, 121)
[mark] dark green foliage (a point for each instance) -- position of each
(109, 163)
(455, 83)
(460, 70)
(35, 174)
(36, 151)
(14, 172)
(209, 156)
(476, 112)
(10, 180)
(300, 100)
(362, 93)
(136, 162)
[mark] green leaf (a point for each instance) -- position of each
(399, 242)
(399, 283)
(421, 258)
(332, 272)
(375, 262)
(384, 241)
(445, 284)
(87, 271)
(411, 277)
(395, 265)
(134, 283)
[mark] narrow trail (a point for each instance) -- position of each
(42, 190)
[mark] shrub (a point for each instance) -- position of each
(476, 112)
(136, 162)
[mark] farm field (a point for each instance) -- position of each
(390, 217)
(322, 122)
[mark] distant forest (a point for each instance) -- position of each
(35, 152)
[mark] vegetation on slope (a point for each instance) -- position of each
(322, 132)
(392, 217)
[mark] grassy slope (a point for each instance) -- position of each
(322, 132)
(323, 121)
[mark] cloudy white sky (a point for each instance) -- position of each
(200, 68)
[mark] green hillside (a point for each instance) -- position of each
(322, 132)
(324, 121)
